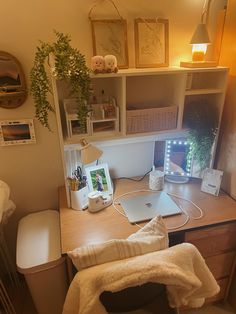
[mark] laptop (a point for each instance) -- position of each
(145, 207)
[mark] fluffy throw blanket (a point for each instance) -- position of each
(6, 205)
(152, 237)
(181, 268)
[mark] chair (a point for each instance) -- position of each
(150, 297)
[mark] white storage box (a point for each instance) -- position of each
(38, 257)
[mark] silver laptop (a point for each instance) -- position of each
(145, 207)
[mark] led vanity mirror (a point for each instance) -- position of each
(177, 161)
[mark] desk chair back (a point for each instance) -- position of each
(150, 297)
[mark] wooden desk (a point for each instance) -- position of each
(82, 227)
(214, 234)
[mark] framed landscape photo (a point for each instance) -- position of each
(109, 37)
(14, 132)
(98, 178)
(151, 43)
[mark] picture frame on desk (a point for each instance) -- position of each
(98, 178)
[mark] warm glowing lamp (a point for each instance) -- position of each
(199, 42)
(89, 153)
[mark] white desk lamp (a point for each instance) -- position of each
(96, 200)
(89, 153)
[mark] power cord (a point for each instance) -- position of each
(124, 194)
(132, 179)
(114, 203)
(195, 205)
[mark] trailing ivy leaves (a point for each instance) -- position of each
(201, 118)
(70, 66)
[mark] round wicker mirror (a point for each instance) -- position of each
(12, 82)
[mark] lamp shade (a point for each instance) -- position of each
(200, 35)
(89, 153)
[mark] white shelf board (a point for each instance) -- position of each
(203, 91)
(155, 71)
(129, 139)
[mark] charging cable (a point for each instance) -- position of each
(116, 202)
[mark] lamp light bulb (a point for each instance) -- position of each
(198, 52)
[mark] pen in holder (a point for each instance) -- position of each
(78, 194)
(79, 198)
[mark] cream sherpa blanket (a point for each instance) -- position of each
(6, 205)
(152, 237)
(181, 268)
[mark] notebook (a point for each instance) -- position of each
(145, 207)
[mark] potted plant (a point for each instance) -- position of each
(69, 65)
(201, 119)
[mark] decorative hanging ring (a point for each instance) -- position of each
(97, 3)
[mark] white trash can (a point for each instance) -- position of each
(38, 257)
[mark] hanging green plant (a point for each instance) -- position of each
(70, 66)
(201, 118)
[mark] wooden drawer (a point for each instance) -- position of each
(219, 296)
(213, 240)
(223, 283)
(221, 265)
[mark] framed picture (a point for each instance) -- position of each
(211, 181)
(110, 38)
(151, 42)
(99, 178)
(13, 132)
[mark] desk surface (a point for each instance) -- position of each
(80, 228)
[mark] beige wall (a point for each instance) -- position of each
(35, 171)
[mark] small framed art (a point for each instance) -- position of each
(109, 37)
(14, 132)
(151, 43)
(99, 178)
(211, 181)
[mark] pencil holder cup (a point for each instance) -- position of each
(156, 180)
(79, 199)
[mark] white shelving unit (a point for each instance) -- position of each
(140, 90)
(145, 89)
